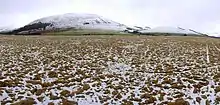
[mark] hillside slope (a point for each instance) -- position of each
(69, 21)
(171, 30)
(6, 29)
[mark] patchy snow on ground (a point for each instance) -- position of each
(109, 70)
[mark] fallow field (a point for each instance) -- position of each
(109, 70)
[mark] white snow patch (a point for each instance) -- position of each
(118, 67)
(207, 54)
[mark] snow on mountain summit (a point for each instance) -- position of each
(5, 29)
(171, 30)
(87, 21)
(69, 21)
(216, 34)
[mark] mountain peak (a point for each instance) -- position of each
(75, 20)
(70, 21)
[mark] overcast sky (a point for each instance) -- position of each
(201, 15)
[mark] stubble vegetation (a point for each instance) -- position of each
(109, 70)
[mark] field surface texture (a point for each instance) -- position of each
(109, 70)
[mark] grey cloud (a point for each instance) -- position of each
(201, 15)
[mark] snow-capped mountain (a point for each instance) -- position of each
(136, 29)
(140, 28)
(171, 30)
(71, 21)
(5, 29)
(80, 21)
(74, 21)
(214, 34)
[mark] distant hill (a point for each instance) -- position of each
(87, 24)
(67, 22)
(6, 29)
(171, 31)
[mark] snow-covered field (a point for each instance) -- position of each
(109, 70)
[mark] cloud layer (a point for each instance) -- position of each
(201, 15)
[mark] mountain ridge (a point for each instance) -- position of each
(69, 21)
(171, 30)
(76, 21)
